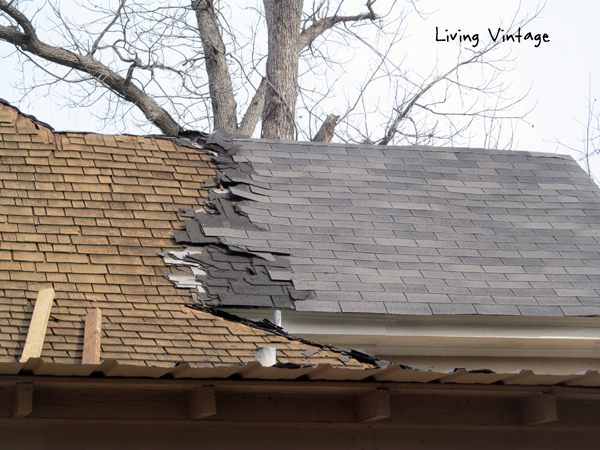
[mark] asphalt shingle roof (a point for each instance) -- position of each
(404, 230)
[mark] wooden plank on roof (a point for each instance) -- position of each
(202, 403)
(92, 336)
(23, 403)
(374, 406)
(39, 322)
(537, 410)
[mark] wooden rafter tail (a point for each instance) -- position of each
(374, 406)
(23, 402)
(537, 410)
(202, 403)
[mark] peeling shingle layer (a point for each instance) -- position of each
(417, 230)
(226, 274)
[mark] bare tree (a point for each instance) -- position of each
(197, 66)
(588, 150)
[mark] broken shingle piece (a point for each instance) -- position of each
(253, 301)
(282, 302)
(224, 232)
(194, 232)
(244, 192)
(311, 351)
(280, 275)
(181, 236)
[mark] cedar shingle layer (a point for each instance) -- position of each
(87, 214)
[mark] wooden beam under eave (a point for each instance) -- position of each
(537, 410)
(374, 406)
(202, 403)
(37, 327)
(23, 402)
(92, 336)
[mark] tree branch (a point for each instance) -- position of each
(103, 33)
(29, 42)
(402, 112)
(317, 28)
(254, 110)
(19, 17)
(325, 133)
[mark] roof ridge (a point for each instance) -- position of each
(28, 116)
(408, 147)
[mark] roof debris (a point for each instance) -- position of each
(310, 352)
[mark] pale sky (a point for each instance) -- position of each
(557, 71)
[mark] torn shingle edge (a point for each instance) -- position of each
(219, 272)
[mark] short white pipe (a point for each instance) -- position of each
(266, 356)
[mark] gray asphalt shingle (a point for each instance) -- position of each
(418, 230)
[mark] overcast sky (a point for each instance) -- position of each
(557, 72)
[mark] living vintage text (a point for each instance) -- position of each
(497, 35)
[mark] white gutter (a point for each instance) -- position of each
(378, 334)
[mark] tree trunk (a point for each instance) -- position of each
(224, 106)
(306, 38)
(283, 25)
